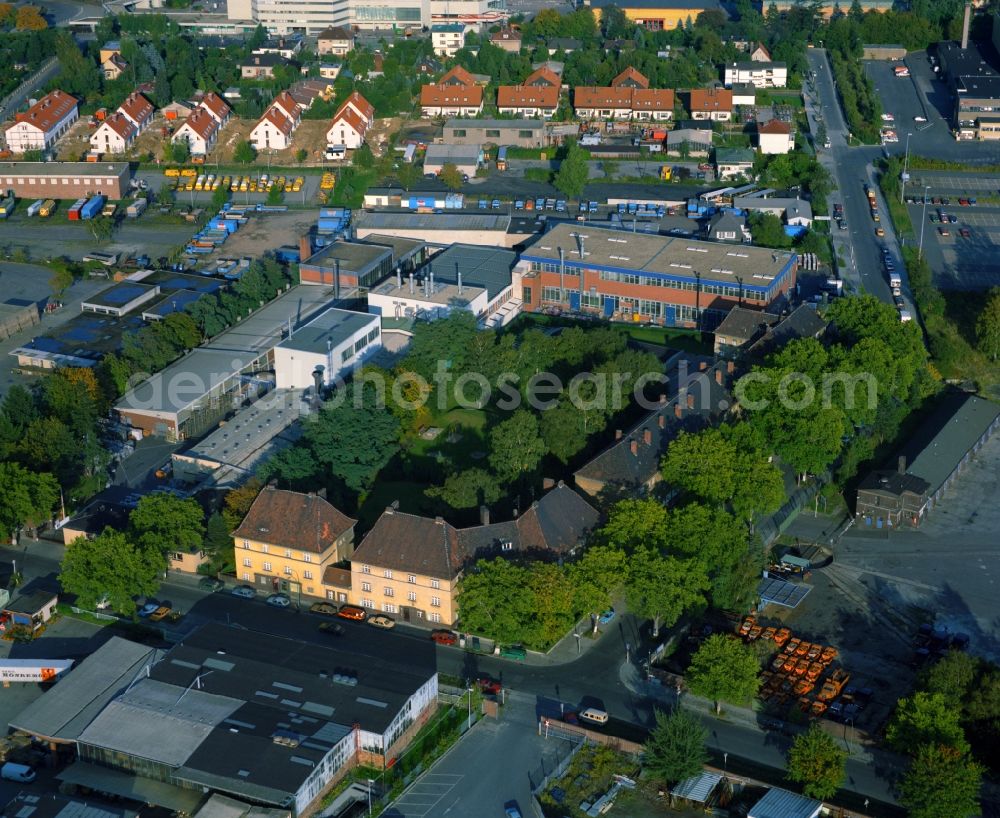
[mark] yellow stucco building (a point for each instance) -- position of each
(657, 15)
(288, 540)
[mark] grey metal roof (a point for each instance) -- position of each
(502, 124)
(741, 322)
(65, 710)
(697, 788)
(729, 156)
(332, 327)
(458, 154)
(402, 247)
(942, 442)
(210, 365)
(784, 804)
(380, 220)
(88, 169)
(51, 805)
(132, 787)
(488, 267)
(159, 721)
(353, 256)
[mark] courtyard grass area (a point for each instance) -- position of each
(461, 440)
(683, 339)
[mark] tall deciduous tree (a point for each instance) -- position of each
(450, 176)
(237, 502)
(724, 669)
(988, 327)
(496, 600)
(467, 489)
(816, 761)
(111, 564)
(942, 782)
(573, 172)
(662, 588)
(516, 448)
(596, 576)
(925, 718)
(244, 152)
(26, 498)
(165, 523)
(675, 749)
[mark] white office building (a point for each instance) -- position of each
(335, 344)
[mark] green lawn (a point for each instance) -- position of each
(467, 425)
(685, 339)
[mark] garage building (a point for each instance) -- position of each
(467, 158)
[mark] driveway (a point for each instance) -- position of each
(489, 766)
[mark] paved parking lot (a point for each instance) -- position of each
(488, 767)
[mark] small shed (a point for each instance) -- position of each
(698, 789)
(882, 51)
(32, 610)
(784, 804)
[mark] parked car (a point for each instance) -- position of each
(324, 608)
(919, 118)
(159, 614)
(512, 810)
(964, 233)
(880, 231)
(704, 166)
(944, 231)
(444, 637)
(353, 612)
(515, 652)
(606, 616)
(331, 628)
(244, 592)
(898, 301)
(148, 609)
(488, 685)
(382, 621)
(212, 584)
(278, 600)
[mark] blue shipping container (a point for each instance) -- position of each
(92, 208)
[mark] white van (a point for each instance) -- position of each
(336, 152)
(17, 772)
(594, 716)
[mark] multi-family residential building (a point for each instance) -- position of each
(335, 40)
(287, 46)
(757, 74)
(351, 122)
(525, 133)
(827, 8)
(113, 67)
(273, 130)
(774, 137)
(200, 130)
(43, 123)
(661, 279)
(624, 102)
(711, 103)
(731, 163)
(509, 39)
(475, 13)
(261, 66)
(288, 539)
(759, 53)
(438, 99)
(138, 110)
(447, 38)
(533, 101)
(315, 16)
(217, 108)
(411, 566)
(114, 135)
(630, 78)
(457, 75)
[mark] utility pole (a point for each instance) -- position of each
(906, 160)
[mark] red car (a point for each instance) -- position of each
(488, 685)
(965, 232)
(443, 637)
(963, 202)
(704, 166)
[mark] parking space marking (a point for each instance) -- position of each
(416, 803)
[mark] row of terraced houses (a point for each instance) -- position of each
(628, 97)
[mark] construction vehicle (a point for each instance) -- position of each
(803, 687)
(814, 651)
(815, 671)
(801, 667)
(782, 636)
(833, 685)
(792, 645)
(755, 632)
(802, 649)
(768, 634)
(747, 624)
(828, 655)
(666, 173)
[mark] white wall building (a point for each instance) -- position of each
(43, 123)
(200, 130)
(447, 38)
(292, 16)
(115, 135)
(339, 341)
(758, 74)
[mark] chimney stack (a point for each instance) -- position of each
(634, 446)
(966, 21)
(411, 282)
(647, 436)
(718, 376)
(548, 484)
(690, 401)
(484, 515)
(702, 366)
(662, 420)
(432, 282)
(459, 283)
(618, 434)
(678, 412)
(399, 279)
(901, 464)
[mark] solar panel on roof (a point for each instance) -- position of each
(780, 592)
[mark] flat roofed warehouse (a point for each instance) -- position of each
(487, 228)
(65, 180)
(334, 344)
(663, 279)
(347, 264)
(265, 718)
(195, 392)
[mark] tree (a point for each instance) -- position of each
(26, 498)
(553, 603)
(102, 228)
(407, 174)
(596, 576)
(496, 600)
(443, 343)
(276, 195)
(662, 588)
(61, 280)
(816, 761)
(237, 502)
(29, 18)
(218, 544)
(450, 176)
(353, 436)
(988, 327)
(244, 152)
(573, 172)
(301, 155)
(163, 522)
(563, 430)
(632, 524)
(767, 230)
(942, 782)
(179, 152)
(925, 718)
(953, 676)
(219, 197)
(675, 749)
(110, 564)
(468, 489)
(724, 669)
(516, 448)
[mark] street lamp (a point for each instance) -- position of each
(906, 161)
(470, 708)
(923, 221)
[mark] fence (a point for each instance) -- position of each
(569, 745)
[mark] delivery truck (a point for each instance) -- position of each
(48, 208)
(34, 207)
(32, 670)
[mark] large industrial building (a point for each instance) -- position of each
(644, 277)
(65, 180)
(347, 264)
(271, 720)
(327, 349)
(194, 393)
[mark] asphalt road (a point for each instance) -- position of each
(28, 88)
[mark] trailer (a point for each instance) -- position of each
(32, 670)
(287, 255)
(34, 207)
(92, 208)
(73, 214)
(136, 209)
(7, 207)
(47, 209)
